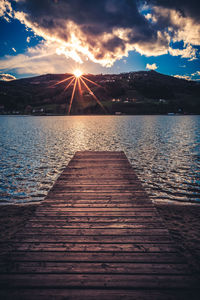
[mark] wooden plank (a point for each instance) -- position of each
(89, 185)
(77, 175)
(97, 213)
(139, 196)
(95, 160)
(67, 179)
(99, 219)
(100, 294)
(101, 194)
(95, 247)
(96, 189)
(135, 202)
(128, 185)
(97, 209)
(95, 268)
(52, 224)
(161, 257)
(91, 239)
(99, 153)
(105, 231)
(95, 281)
(100, 167)
(100, 172)
(96, 205)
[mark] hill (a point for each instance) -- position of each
(143, 92)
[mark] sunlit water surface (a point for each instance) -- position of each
(163, 150)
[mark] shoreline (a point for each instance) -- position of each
(182, 221)
(95, 115)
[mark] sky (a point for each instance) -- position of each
(102, 36)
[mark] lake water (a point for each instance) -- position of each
(164, 151)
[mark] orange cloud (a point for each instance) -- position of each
(151, 67)
(7, 77)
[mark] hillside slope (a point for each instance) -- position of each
(143, 92)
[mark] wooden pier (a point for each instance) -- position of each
(97, 235)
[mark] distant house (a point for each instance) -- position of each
(15, 112)
(38, 110)
(116, 100)
(162, 101)
(127, 100)
(109, 80)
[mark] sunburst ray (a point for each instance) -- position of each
(59, 82)
(69, 84)
(92, 82)
(93, 95)
(72, 97)
(79, 88)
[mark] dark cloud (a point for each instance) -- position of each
(114, 43)
(103, 13)
(93, 17)
(188, 8)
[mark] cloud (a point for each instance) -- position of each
(181, 27)
(193, 76)
(104, 31)
(186, 77)
(188, 52)
(179, 19)
(37, 60)
(188, 8)
(7, 77)
(5, 9)
(151, 67)
(101, 31)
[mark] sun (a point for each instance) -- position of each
(78, 73)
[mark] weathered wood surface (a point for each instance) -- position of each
(96, 236)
